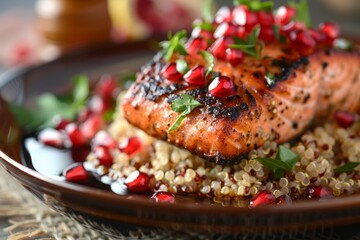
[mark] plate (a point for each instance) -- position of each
(115, 214)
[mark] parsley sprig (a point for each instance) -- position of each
(255, 5)
(176, 43)
(49, 106)
(211, 63)
(251, 45)
(285, 160)
(348, 167)
(302, 11)
(184, 105)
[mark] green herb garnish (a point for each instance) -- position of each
(278, 36)
(302, 11)
(49, 106)
(181, 66)
(211, 63)
(208, 11)
(270, 78)
(343, 44)
(251, 45)
(256, 5)
(285, 160)
(176, 43)
(348, 167)
(184, 105)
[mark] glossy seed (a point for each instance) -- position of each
(196, 76)
(77, 174)
(76, 136)
(107, 87)
(195, 45)
(219, 47)
(137, 182)
(163, 197)
(318, 192)
(222, 87)
(91, 126)
(284, 14)
(345, 119)
(52, 137)
(262, 198)
(234, 56)
(131, 146)
(169, 72)
(104, 156)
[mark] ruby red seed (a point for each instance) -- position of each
(223, 15)
(79, 154)
(169, 72)
(76, 136)
(61, 124)
(242, 16)
(267, 34)
(262, 198)
(219, 47)
(196, 76)
(222, 87)
(91, 126)
(331, 30)
(318, 192)
(234, 56)
(137, 182)
(102, 138)
(77, 174)
(52, 137)
(107, 87)
(284, 14)
(302, 40)
(195, 45)
(104, 156)
(163, 197)
(100, 105)
(225, 30)
(266, 18)
(345, 119)
(131, 146)
(84, 114)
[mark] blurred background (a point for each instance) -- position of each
(33, 31)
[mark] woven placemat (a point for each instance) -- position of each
(22, 216)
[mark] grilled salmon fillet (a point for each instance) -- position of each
(224, 129)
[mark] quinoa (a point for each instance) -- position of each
(177, 171)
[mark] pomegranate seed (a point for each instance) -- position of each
(196, 76)
(107, 87)
(244, 17)
(198, 32)
(292, 26)
(137, 182)
(262, 198)
(267, 34)
(318, 192)
(241, 32)
(223, 15)
(61, 124)
(222, 87)
(102, 138)
(284, 15)
(266, 18)
(317, 35)
(195, 45)
(131, 146)
(284, 199)
(98, 104)
(234, 56)
(91, 126)
(79, 154)
(104, 156)
(302, 40)
(169, 72)
(52, 137)
(219, 47)
(331, 31)
(163, 197)
(345, 119)
(84, 114)
(76, 136)
(77, 174)
(225, 30)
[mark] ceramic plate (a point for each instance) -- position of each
(113, 213)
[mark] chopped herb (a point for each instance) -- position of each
(49, 106)
(348, 167)
(285, 160)
(256, 5)
(185, 104)
(251, 45)
(207, 12)
(211, 62)
(343, 44)
(204, 25)
(278, 36)
(176, 43)
(270, 79)
(302, 11)
(181, 66)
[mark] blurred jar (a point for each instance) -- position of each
(69, 24)
(138, 19)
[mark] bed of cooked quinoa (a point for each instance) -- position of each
(175, 170)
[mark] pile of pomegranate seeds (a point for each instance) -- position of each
(233, 25)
